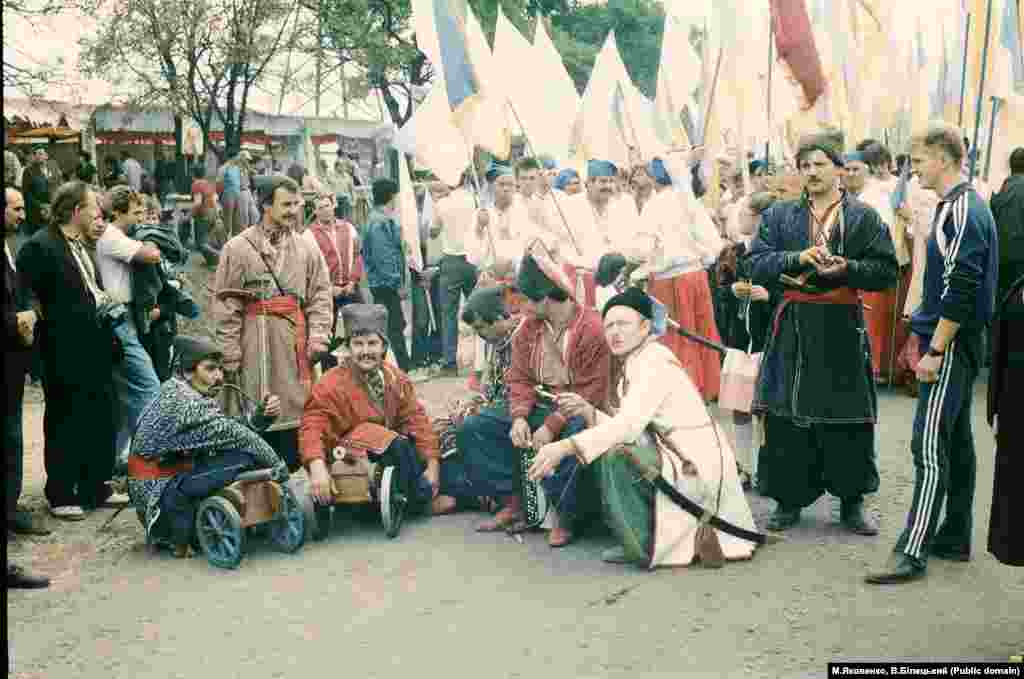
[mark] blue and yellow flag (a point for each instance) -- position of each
(460, 77)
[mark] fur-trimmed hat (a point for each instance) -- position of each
(365, 319)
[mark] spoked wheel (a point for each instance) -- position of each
(392, 502)
(288, 532)
(219, 528)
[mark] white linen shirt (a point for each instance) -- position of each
(114, 254)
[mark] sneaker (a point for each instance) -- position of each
(68, 513)
(117, 500)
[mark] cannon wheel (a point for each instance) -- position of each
(392, 502)
(219, 528)
(288, 532)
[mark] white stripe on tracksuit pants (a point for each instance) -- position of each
(943, 452)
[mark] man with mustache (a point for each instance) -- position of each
(601, 223)
(372, 402)
(186, 448)
(560, 347)
(815, 386)
(272, 311)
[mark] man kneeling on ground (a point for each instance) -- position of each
(363, 390)
(186, 448)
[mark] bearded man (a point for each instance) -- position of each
(815, 386)
(186, 448)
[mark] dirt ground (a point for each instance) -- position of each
(359, 604)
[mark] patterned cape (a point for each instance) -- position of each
(184, 422)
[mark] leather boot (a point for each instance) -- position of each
(783, 518)
(851, 515)
(901, 568)
(511, 511)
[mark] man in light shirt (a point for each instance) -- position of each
(135, 379)
(681, 242)
(600, 223)
(457, 222)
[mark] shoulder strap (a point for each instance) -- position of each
(265, 263)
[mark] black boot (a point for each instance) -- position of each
(17, 578)
(783, 518)
(851, 515)
(202, 234)
(901, 568)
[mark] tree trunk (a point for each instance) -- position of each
(181, 183)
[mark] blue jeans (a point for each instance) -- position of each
(136, 386)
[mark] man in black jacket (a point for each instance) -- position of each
(1008, 210)
(19, 328)
(35, 187)
(78, 353)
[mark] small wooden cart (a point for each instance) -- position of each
(223, 520)
(358, 480)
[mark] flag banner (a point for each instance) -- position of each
(621, 117)
(794, 41)
(459, 75)
(408, 216)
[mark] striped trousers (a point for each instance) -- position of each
(943, 450)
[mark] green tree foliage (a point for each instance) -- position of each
(580, 32)
(377, 36)
(201, 58)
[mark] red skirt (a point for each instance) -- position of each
(887, 309)
(687, 298)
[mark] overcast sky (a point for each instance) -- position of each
(59, 36)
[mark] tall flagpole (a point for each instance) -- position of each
(768, 141)
(963, 73)
(981, 90)
(551, 192)
(996, 101)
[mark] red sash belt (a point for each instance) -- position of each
(837, 296)
(287, 307)
(842, 296)
(147, 470)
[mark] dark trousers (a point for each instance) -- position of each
(458, 277)
(79, 434)
(202, 233)
(14, 452)
(943, 450)
(181, 497)
(390, 299)
(285, 443)
(797, 464)
(426, 345)
(493, 463)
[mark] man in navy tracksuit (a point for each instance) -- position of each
(960, 276)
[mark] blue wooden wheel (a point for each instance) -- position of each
(219, 528)
(288, 531)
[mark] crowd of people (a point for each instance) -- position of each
(601, 306)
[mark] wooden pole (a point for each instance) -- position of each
(996, 101)
(771, 59)
(981, 91)
(963, 73)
